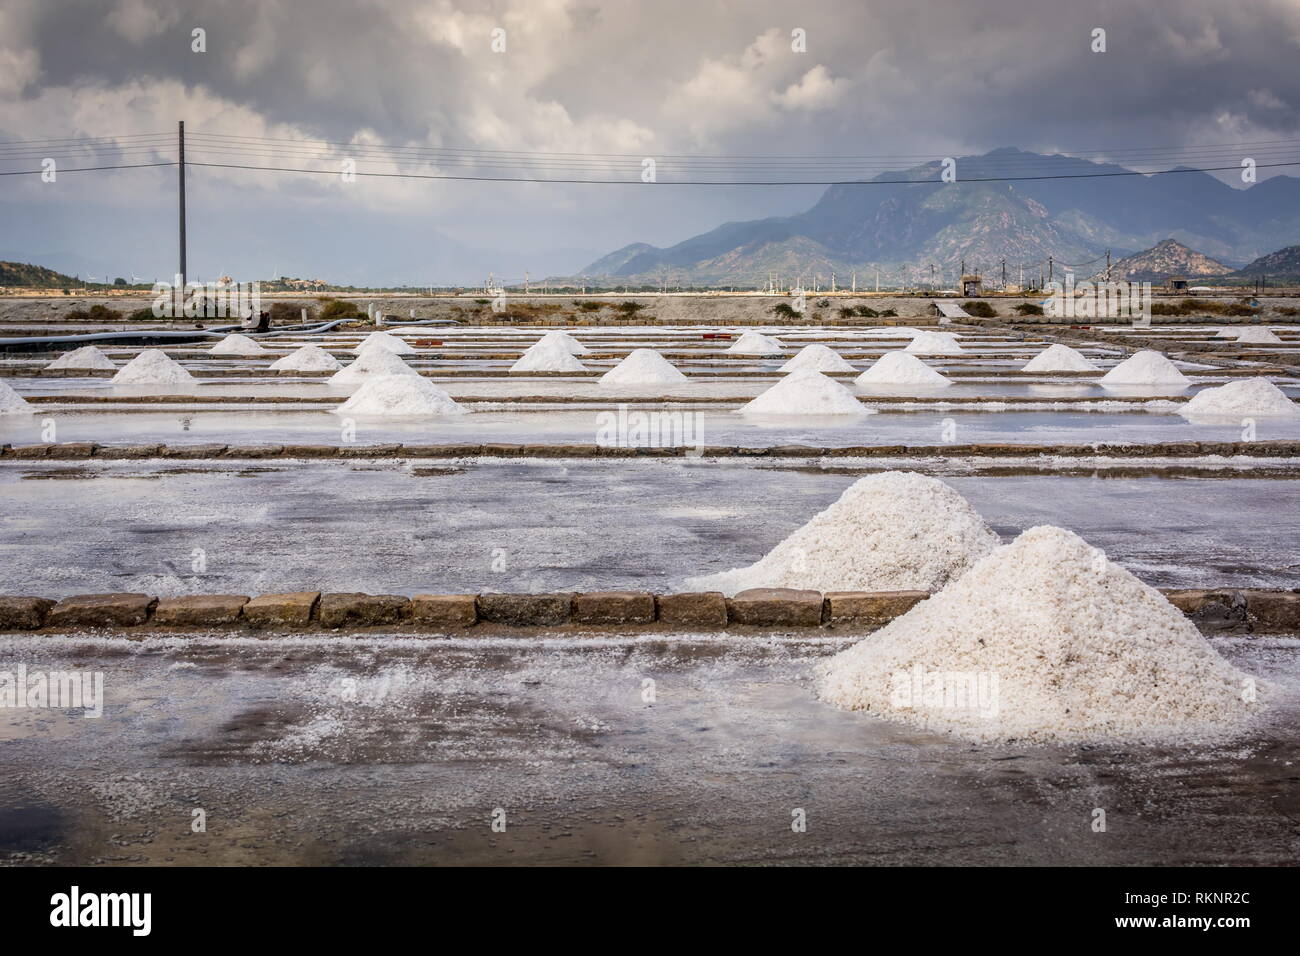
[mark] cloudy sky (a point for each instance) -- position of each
(622, 79)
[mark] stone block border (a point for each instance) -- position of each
(1213, 610)
(84, 451)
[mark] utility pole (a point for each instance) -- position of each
(180, 171)
(1108, 265)
(1051, 267)
(1004, 275)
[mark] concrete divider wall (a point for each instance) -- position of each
(1222, 610)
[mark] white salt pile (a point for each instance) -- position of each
(899, 368)
(400, 396)
(86, 357)
(383, 340)
(755, 343)
(1045, 640)
(1147, 367)
(1249, 397)
(1258, 335)
(374, 361)
(152, 367)
(237, 345)
(571, 345)
(643, 367)
(1059, 358)
(547, 356)
(820, 358)
(309, 358)
(934, 343)
(806, 392)
(896, 531)
(11, 402)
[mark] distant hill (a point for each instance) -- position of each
(23, 275)
(1166, 258)
(1283, 265)
(908, 219)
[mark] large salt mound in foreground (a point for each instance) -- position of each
(1059, 358)
(373, 361)
(1258, 335)
(934, 343)
(400, 396)
(755, 343)
(806, 392)
(152, 367)
(11, 402)
(1253, 397)
(237, 345)
(1080, 650)
(819, 358)
(899, 368)
(383, 340)
(896, 531)
(309, 358)
(1147, 367)
(547, 356)
(86, 357)
(571, 345)
(643, 367)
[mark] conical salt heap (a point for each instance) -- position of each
(1045, 640)
(896, 531)
(819, 358)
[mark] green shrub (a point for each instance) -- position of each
(630, 308)
(1029, 308)
(980, 309)
(867, 312)
(96, 313)
(339, 309)
(286, 313)
(887, 314)
(589, 306)
(785, 309)
(1167, 308)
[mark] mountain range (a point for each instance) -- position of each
(1073, 210)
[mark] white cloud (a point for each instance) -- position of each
(139, 20)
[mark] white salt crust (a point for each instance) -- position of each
(152, 367)
(86, 357)
(819, 358)
(1059, 358)
(896, 531)
(383, 340)
(237, 344)
(1147, 367)
(400, 396)
(643, 367)
(1062, 644)
(1247, 397)
(899, 368)
(373, 361)
(547, 356)
(755, 343)
(309, 358)
(934, 343)
(11, 403)
(806, 392)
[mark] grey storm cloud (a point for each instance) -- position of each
(923, 78)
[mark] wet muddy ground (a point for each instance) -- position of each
(402, 751)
